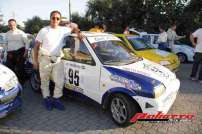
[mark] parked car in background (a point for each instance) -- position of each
(10, 91)
(184, 52)
(2, 39)
(140, 47)
(2, 48)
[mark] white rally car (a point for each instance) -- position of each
(101, 68)
(10, 91)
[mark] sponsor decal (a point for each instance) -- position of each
(74, 88)
(129, 84)
(156, 70)
(160, 117)
(102, 38)
(136, 71)
(73, 65)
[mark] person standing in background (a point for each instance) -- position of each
(17, 48)
(98, 27)
(126, 30)
(162, 39)
(198, 54)
(172, 36)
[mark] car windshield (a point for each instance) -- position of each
(139, 43)
(113, 52)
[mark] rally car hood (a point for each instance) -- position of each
(150, 70)
(5, 75)
(155, 55)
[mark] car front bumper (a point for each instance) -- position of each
(174, 67)
(162, 103)
(10, 101)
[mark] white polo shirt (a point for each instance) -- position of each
(51, 39)
(198, 34)
(15, 40)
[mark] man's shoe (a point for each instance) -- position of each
(200, 81)
(58, 104)
(48, 103)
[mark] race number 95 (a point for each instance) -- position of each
(73, 77)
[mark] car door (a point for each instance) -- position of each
(82, 74)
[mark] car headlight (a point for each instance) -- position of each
(164, 63)
(10, 84)
(159, 90)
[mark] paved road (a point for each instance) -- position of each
(87, 118)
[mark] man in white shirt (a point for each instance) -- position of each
(17, 47)
(49, 43)
(198, 54)
(162, 39)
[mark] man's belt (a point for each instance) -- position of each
(53, 59)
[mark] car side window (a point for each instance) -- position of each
(155, 39)
(147, 38)
(121, 38)
(76, 50)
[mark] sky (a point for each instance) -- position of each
(22, 10)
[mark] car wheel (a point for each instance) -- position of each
(122, 109)
(35, 82)
(182, 57)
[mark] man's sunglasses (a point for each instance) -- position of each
(55, 18)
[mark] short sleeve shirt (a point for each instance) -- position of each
(198, 34)
(52, 39)
(171, 35)
(15, 40)
(162, 37)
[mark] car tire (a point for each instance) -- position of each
(35, 82)
(122, 109)
(182, 57)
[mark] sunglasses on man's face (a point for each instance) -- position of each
(55, 18)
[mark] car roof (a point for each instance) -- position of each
(93, 34)
(154, 34)
(125, 35)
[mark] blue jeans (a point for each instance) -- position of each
(164, 46)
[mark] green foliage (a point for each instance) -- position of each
(192, 15)
(83, 22)
(141, 14)
(3, 29)
(33, 25)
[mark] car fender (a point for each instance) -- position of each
(121, 90)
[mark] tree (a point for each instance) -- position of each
(33, 25)
(192, 15)
(83, 22)
(3, 29)
(143, 14)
